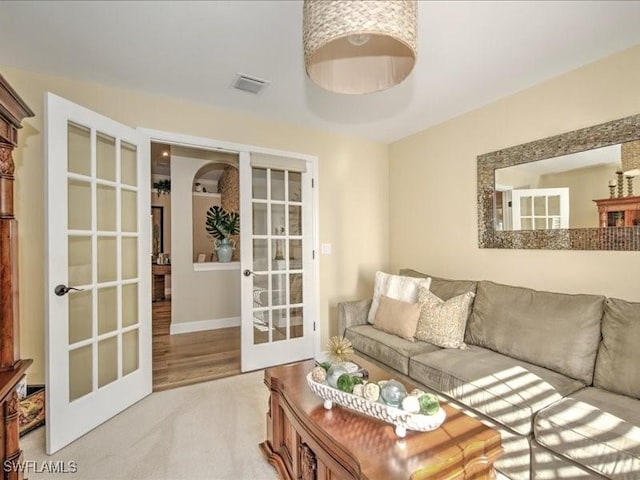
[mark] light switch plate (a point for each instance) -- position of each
(325, 249)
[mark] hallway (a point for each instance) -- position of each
(190, 358)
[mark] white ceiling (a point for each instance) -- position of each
(609, 155)
(470, 53)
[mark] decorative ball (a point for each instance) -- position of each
(325, 365)
(339, 348)
(318, 374)
(411, 404)
(346, 383)
(358, 390)
(393, 392)
(429, 404)
(333, 374)
(372, 391)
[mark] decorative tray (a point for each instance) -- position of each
(401, 419)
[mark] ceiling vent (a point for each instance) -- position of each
(249, 84)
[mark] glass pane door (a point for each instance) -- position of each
(277, 249)
(540, 208)
(98, 325)
(102, 246)
(278, 304)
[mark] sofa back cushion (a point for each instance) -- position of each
(442, 287)
(554, 330)
(618, 363)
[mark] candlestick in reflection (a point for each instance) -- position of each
(620, 176)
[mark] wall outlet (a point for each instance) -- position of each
(325, 249)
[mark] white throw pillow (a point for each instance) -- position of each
(397, 287)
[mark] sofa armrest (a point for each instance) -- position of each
(351, 314)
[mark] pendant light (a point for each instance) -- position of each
(359, 46)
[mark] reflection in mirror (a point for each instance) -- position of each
(582, 203)
(559, 192)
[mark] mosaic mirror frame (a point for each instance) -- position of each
(610, 238)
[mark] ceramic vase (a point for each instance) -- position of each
(224, 249)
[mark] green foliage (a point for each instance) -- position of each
(162, 186)
(220, 224)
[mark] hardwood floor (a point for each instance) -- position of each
(191, 357)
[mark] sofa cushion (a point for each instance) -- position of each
(548, 465)
(618, 362)
(397, 317)
(508, 390)
(443, 322)
(397, 287)
(595, 428)
(442, 287)
(554, 330)
(386, 348)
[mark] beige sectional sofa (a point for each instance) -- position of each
(558, 375)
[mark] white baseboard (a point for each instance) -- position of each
(201, 325)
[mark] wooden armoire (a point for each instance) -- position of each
(12, 369)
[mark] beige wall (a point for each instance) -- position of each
(585, 185)
(353, 183)
(195, 296)
(433, 184)
(516, 178)
(202, 241)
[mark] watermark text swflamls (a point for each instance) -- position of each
(47, 466)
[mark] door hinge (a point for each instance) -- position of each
(314, 326)
(313, 254)
(313, 182)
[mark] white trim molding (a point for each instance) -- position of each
(212, 266)
(244, 153)
(202, 325)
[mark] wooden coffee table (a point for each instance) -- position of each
(306, 441)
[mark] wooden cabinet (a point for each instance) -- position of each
(618, 212)
(159, 284)
(12, 111)
(306, 442)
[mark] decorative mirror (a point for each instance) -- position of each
(575, 191)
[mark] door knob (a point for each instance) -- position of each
(248, 273)
(62, 290)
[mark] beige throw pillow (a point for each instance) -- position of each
(397, 287)
(443, 323)
(397, 317)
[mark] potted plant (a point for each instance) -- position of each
(162, 186)
(220, 225)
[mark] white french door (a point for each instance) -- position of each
(278, 266)
(98, 325)
(540, 208)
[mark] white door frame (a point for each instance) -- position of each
(204, 143)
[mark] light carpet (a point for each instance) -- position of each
(205, 431)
